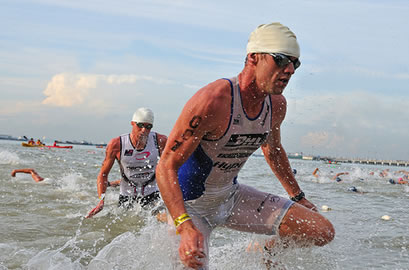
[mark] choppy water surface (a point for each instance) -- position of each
(42, 225)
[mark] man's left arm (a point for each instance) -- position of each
(277, 159)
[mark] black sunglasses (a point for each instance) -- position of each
(283, 60)
(142, 125)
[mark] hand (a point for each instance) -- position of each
(96, 210)
(114, 183)
(308, 204)
(13, 173)
(191, 245)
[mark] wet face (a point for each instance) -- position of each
(141, 130)
(272, 79)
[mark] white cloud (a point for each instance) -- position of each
(67, 89)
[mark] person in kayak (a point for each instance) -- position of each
(137, 154)
(39, 142)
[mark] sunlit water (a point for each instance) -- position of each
(42, 225)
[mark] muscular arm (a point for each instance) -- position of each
(202, 115)
(277, 159)
(112, 152)
(33, 173)
(276, 156)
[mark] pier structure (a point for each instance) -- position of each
(368, 161)
(399, 163)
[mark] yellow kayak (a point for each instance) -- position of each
(31, 145)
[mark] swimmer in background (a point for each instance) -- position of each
(335, 177)
(400, 181)
(384, 173)
(36, 177)
(354, 189)
(406, 173)
(33, 173)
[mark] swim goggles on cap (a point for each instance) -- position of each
(283, 60)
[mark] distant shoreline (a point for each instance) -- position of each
(11, 138)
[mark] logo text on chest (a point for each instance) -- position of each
(237, 140)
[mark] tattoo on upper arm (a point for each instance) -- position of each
(193, 124)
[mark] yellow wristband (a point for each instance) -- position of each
(182, 218)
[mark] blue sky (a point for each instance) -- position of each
(71, 70)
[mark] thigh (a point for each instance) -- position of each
(257, 211)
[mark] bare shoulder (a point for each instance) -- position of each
(213, 95)
(212, 99)
(212, 105)
(114, 146)
(279, 108)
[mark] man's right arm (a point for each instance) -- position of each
(205, 113)
(111, 153)
(183, 140)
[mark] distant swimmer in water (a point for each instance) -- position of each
(354, 189)
(137, 153)
(336, 177)
(38, 178)
(384, 173)
(33, 173)
(400, 181)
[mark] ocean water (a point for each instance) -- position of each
(42, 225)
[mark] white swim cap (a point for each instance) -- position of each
(273, 38)
(143, 115)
